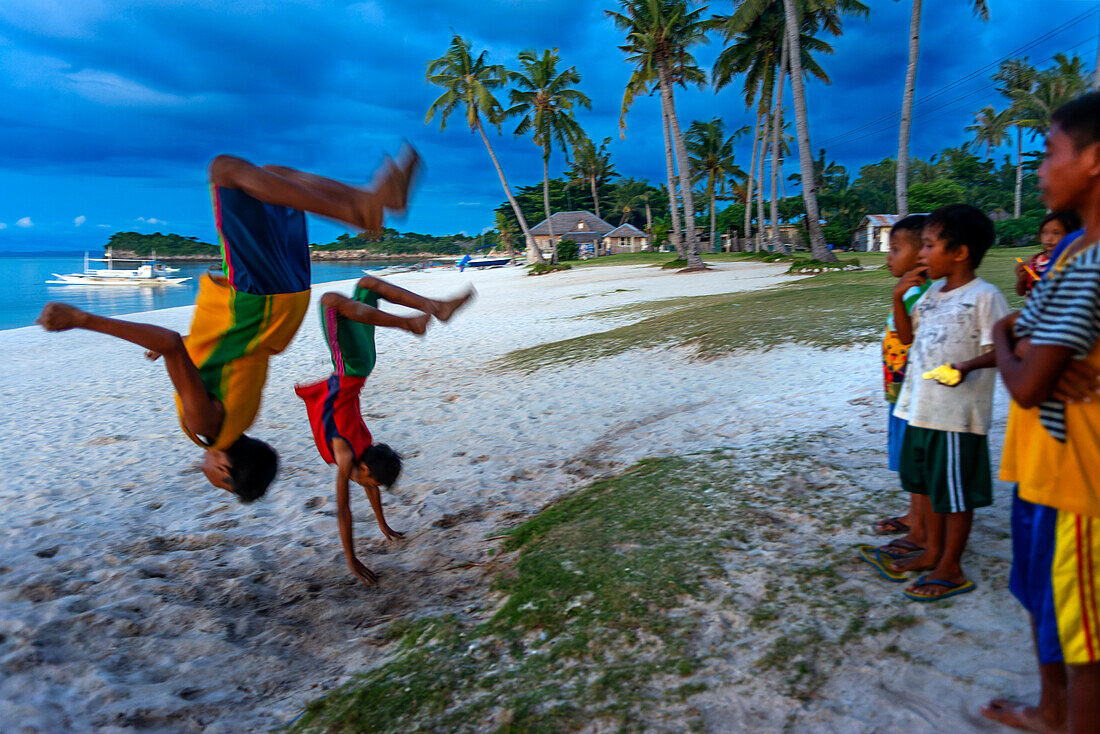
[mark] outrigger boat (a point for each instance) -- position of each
(149, 272)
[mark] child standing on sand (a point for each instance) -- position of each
(341, 435)
(1052, 445)
(251, 310)
(905, 247)
(944, 454)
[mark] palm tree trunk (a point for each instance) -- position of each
(533, 254)
(648, 219)
(752, 178)
(673, 207)
(777, 129)
(683, 164)
(713, 215)
(546, 205)
(760, 229)
(901, 179)
(818, 248)
(595, 196)
(1019, 172)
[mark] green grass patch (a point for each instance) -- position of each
(544, 268)
(833, 309)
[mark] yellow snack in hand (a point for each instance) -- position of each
(945, 374)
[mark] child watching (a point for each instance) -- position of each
(1052, 445)
(944, 454)
(1054, 227)
(341, 435)
(905, 247)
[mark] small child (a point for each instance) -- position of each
(249, 311)
(1054, 227)
(341, 435)
(1052, 445)
(944, 454)
(905, 247)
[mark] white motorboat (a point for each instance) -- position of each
(148, 272)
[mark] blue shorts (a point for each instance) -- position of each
(1033, 534)
(265, 249)
(895, 432)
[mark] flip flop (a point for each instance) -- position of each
(952, 589)
(880, 559)
(890, 526)
(900, 548)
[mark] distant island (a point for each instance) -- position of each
(392, 245)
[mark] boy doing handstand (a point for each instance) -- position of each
(341, 435)
(945, 454)
(249, 311)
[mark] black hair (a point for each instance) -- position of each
(383, 463)
(962, 224)
(913, 224)
(1068, 219)
(1080, 119)
(252, 466)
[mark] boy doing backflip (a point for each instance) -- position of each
(1052, 445)
(249, 311)
(945, 455)
(341, 435)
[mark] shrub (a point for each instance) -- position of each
(544, 268)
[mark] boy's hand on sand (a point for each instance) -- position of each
(915, 277)
(1080, 383)
(59, 317)
(390, 533)
(365, 574)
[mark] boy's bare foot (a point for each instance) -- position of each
(446, 309)
(418, 324)
(934, 585)
(394, 187)
(1019, 715)
(923, 562)
(59, 317)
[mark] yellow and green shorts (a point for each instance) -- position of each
(233, 334)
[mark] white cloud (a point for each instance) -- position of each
(104, 226)
(151, 220)
(112, 89)
(469, 203)
(3, 225)
(368, 12)
(80, 220)
(24, 222)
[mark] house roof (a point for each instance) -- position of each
(882, 220)
(625, 230)
(566, 223)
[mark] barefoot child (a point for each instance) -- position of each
(341, 435)
(944, 455)
(1052, 445)
(905, 246)
(248, 312)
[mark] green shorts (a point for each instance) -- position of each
(350, 343)
(951, 468)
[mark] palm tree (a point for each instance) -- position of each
(543, 99)
(901, 181)
(470, 82)
(593, 166)
(990, 128)
(628, 197)
(711, 152)
(658, 36)
(506, 232)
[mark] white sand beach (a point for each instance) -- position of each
(135, 597)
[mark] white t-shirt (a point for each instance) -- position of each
(955, 326)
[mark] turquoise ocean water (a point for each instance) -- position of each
(23, 289)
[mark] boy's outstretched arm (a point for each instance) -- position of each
(344, 459)
(1030, 379)
(376, 504)
(202, 414)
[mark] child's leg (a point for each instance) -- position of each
(1050, 713)
(956, 530)
(364, 314)
(442, 310)
(282, 186)
(1084, 697)
(932, 525)
(201, 414)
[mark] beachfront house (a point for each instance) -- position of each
(625, 238)
(873, 232)
(584, 228)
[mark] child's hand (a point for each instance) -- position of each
(946, 374)
(59, 317)
(1078, 384)
(390, 533)
(365, 574)
(915, 277)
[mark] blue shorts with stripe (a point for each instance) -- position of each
(895, 433)
(265, 249)
(1031, 579)
(951, 468)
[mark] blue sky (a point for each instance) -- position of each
(113, 107)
